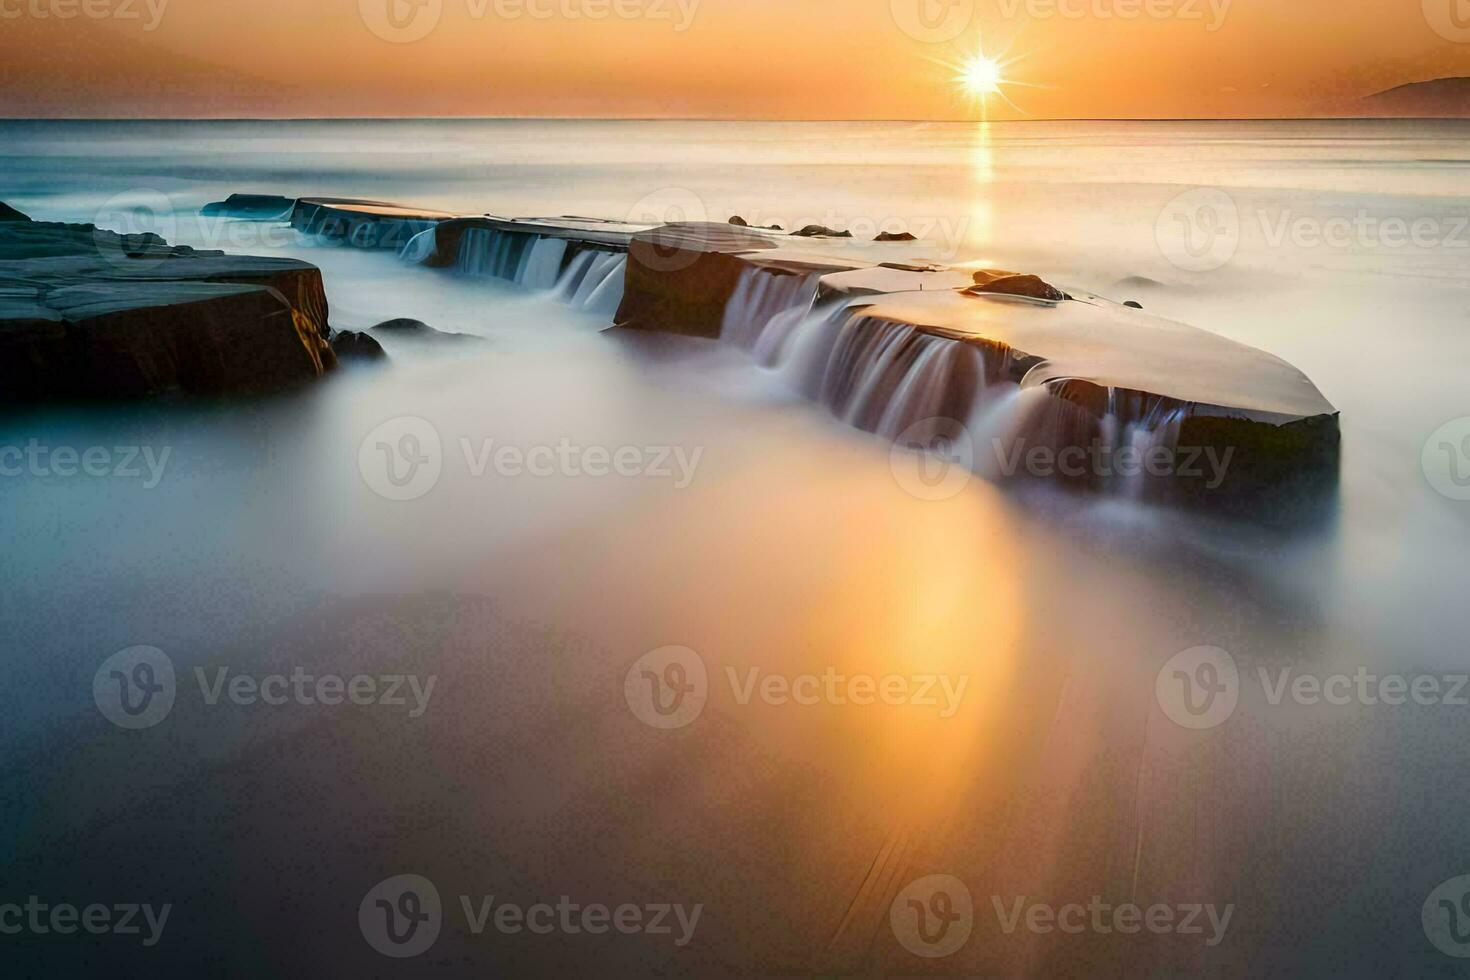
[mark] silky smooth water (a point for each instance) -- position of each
(786, 543)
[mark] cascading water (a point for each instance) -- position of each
(889, 377)
(879, 375)
(588, 278)
(764, 310)
(593, 280)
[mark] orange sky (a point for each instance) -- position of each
(816, 59)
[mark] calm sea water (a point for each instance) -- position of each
(1342, 247)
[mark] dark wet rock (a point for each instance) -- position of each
(350, 345)
(251, 207)
(681, 277)
(902, 236)
(1014, 284)
(820, 231)
(405, 327)
(87, 313)
(1133, 305)
(8, 213)
(739, 221)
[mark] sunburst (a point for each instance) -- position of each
(980, 76)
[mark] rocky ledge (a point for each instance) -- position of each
(887, 340)
(87, 313)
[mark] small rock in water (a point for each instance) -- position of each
(821, 231)
(355, 346)
(405, 326)
(1134, 304)
(902, 236)
(1015, 284)
(737, 220)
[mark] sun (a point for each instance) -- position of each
(980, 75)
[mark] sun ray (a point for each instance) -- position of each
(980, 76)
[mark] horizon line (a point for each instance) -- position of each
(728, 119)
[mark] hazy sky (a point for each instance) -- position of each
(823, 59)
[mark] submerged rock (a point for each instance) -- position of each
(820, 231)
(88, 313)
(405, 327)
(1015, 284)
(350, 345)
(251, 207)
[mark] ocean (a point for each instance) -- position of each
(751, 527)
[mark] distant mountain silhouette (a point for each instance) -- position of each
(1442, 97)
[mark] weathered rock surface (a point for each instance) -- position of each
(1015, 284)
(1101, 370)
(251, 207)
(86, 313)
(363, 224)
(820, 231)
(417, 329)
(350, 345)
